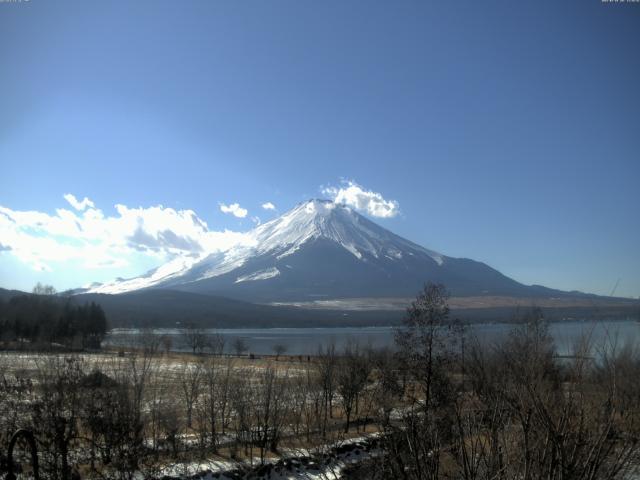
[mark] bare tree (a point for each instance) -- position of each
(213, 406)
(327, 364)
(279, 349)
(426, 343)
(312, 402)
(215, 343)
(352, 375)
(191, 385)
(388, 389)
(223, 394)
(240, 346)
(128, 416)
(195, 339)
(414, 447)
(529, 416)
(170, 422)
(242, 402)
(41, 289)
(270, 410)
(57, 414)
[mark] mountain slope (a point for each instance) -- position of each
(171, 308)
(320, 249)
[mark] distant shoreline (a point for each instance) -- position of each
(213, 330)
(307, 341)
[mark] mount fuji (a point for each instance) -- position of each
(321, 250)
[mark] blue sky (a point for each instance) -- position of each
(506, 132)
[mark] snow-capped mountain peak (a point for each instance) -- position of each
(324, 219)
(269, 244)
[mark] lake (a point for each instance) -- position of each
(305, 341)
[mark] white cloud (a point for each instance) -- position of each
(99, 241)
(235, 209)
(268, 206)
(256, 220)
(73, 201)
(353, 195)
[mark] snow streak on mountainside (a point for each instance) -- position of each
(319, 249)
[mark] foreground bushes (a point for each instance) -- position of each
(445, 406)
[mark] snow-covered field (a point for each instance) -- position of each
(23, 372)
(294, 464)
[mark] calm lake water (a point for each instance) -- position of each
(305, 341)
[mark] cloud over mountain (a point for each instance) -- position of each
(234, 209)
(367, 201)
(90, 238)
(78, 205)
(107, 241)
